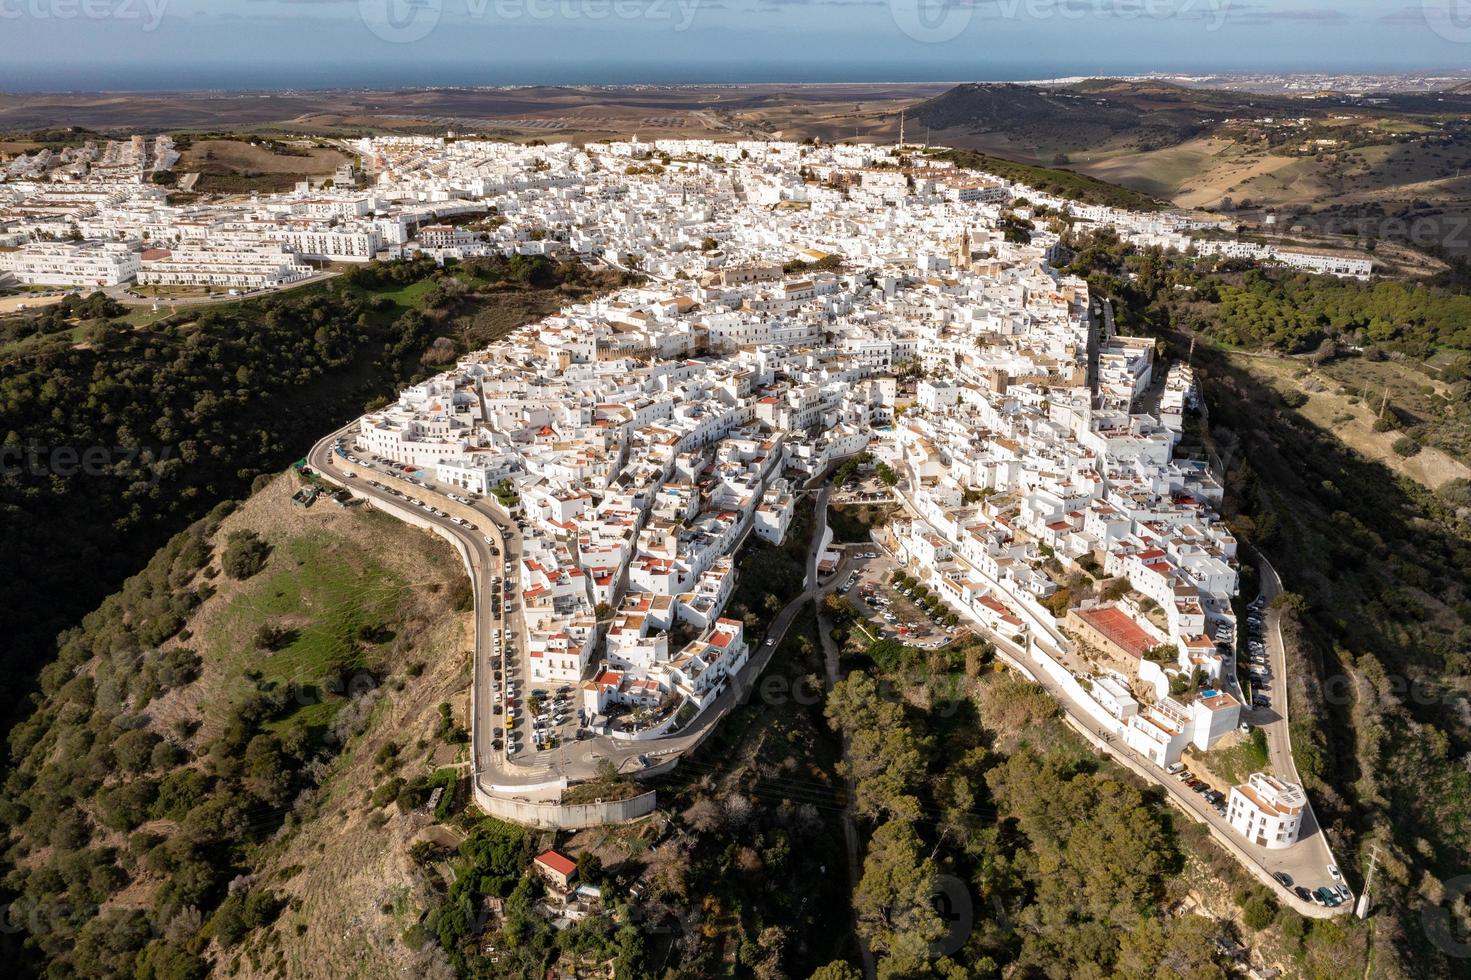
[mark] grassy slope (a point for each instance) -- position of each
(332, 571)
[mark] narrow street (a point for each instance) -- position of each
(1276, 721)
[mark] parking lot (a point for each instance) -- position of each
(536, 720)
(888, 610)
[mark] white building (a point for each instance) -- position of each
(1267, 811)
(71, 263)
(260, 266)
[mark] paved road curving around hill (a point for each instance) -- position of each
(537, 776)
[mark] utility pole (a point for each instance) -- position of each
(1362, 909)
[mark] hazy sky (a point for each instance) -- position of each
(61, 44)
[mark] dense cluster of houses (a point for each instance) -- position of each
(656, 204)
(802, 304)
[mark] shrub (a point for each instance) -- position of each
(1405, 447)
(1258, 912)
(461, 596)
(273, 637)
(134, 749)
(245, 554)
(387, 792)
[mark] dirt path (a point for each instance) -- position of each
(830, 654)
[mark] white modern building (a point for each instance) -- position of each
(71, 263)
(247, 266)
(1267, 811)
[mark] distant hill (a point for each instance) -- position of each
(1346, 169)
(1054, 180)
(1149, 115)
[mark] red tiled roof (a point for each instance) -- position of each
(1118, 627)
(562, 865)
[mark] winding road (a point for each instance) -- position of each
(489, 550)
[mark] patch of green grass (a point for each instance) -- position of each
(852, 524)
(146, 316)
(408, 297)
(328, 590)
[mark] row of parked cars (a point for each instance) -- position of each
(348, 455)
(853, 576)
(503, 686)
(1214, 797)
(1330, 896)
(1259, 667)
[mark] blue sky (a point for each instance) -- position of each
(73, 44)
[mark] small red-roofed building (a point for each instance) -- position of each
(558, 870)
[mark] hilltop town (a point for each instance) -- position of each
(802, 307)
(115, 214)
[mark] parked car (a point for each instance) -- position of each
(1302, 893)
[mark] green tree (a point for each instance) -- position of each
(894, 900)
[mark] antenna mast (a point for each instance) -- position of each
(1362, 909)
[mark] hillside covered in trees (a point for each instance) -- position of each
(216, 742)
(117, 436)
